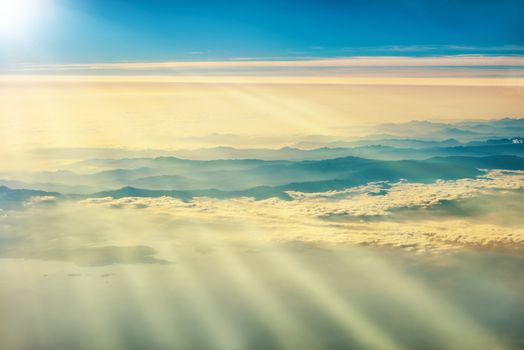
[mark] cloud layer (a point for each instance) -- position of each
(440, 216)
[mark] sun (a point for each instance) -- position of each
(17, 17)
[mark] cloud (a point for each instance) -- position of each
(84, 236)
(429, 48)
(483, 212)
(374, 214)
(457, 69)
(259, 250)
(40, 200)
(500, 207)
(100, 256)
(346, 76)
(356, 61)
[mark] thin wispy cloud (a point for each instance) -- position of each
(437, 48)
(357, 61)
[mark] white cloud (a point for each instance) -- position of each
(305, 217)
(403, 215)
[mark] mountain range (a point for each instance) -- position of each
(254, 178)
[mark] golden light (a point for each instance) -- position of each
(17, 17)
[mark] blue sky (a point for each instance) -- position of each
(117, 30)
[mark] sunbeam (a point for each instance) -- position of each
(262, 175)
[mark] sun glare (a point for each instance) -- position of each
(17, 17)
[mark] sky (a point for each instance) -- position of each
(148, 73)
(101, 31)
